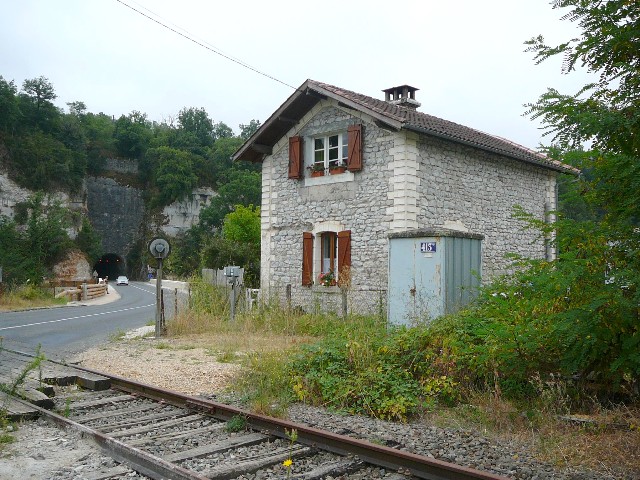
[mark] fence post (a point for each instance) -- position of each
(343, 292)
(288, 296)
(175, 310)
(84, 291)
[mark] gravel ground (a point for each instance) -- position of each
(44, 452)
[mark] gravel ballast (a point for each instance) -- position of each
(194, 371)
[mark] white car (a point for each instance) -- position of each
(122, 280)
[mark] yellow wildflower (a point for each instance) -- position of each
(287, 463)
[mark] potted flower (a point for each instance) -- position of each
(327, 279)
(337, 168)
(316, 169)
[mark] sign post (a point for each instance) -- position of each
(160, 249)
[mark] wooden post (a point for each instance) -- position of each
(343, 292)
(175, 310)
(288, 296)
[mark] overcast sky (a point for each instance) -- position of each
(466, 56)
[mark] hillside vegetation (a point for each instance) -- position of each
(47, 150)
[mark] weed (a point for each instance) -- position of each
(237, 423)
(117, 336)
(162, 346)
(12, 389)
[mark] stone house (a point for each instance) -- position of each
(342, 173)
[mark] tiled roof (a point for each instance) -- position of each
(411, 119)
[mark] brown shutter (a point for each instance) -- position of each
(354, 161)
(344, 250)
(307, 259)
(295, 157)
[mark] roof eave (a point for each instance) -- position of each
(247, 145)
(246, 152)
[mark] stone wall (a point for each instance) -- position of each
(356, 202)
(408, 181)
(121, 165)
(478, 191)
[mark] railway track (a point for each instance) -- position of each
(167, 435)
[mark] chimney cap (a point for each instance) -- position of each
(403, 95)
(402, 88)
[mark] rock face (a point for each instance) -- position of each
(184, 214)
(74, 267)
(116, 213)
(116, 210)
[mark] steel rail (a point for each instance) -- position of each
(397, 460)
(417, 465)
(138, 460)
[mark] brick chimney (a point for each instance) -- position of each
(403, 96)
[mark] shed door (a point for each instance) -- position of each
(415, 281)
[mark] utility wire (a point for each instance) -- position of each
(201, 44)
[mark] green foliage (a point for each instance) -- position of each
(243, 225)
(235, 424)
(247, 130)
(29, 250)
(577, 316)
(9, 111)
(218, 252)
(89, 241)
(173, 176)
(132, 135)
(40, 162)
(604, 112)
(386, 374)
(197, 124)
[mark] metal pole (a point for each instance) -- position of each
(158, 302)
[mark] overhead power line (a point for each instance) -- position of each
(203, 45)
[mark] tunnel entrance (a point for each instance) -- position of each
(110, 265)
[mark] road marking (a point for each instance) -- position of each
(75, 318)
(144, 289)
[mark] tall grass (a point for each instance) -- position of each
(28, 296)
(209, 312)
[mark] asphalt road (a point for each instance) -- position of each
(63, 331)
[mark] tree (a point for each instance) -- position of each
(40, 90)
(36, 104)
(89, 241)
(243, 225)
(222, 130)
(592, 292)
(606, 112)
(247, 130)
(132, 135)
(243, 188)
(9, 111)
(173, 174)
(196, 122)
(40, 162)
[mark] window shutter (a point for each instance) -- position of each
(354, 161)
(295, 157)
(344, 250)
(307, 259)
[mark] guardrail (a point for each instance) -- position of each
(83, 292)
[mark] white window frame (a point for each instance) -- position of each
(343, 150)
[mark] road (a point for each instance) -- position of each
(64, 331)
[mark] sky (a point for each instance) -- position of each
(466, 56)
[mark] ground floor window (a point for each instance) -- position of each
(333, 255)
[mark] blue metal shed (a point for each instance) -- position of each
(432, 272)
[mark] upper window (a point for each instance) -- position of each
(330, 151)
